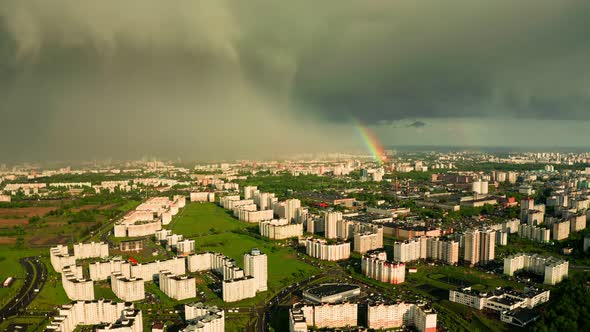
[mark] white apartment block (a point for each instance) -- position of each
(208, 261)
(239, 289)
(535, 217)
(280, 229)
(375, 266)
(60, 257)
(264, 201)
(329, 315)
(241, 211)
(161, 235)
(480, 245)
(256, 265)
(396, 315)
(410, 250)
(249, 191)
(561, 230)
(331, 224)
(202, 197)
(534, 233)
(297, 321)
(147, 271)
(501, 238)
(185, 247)
(177, 287)
(364, 242)
(321, 249)
(577, 223)
(103, 270)
(82, 313)
(443, 250)
(137, 229)
(202, 318)
(91, 250)
(231, 202)
(127, 289)
(553, 269)
(149, 217)
(172, 240)
(433, 248)
(511, 226)
(77, 287)
(237, 284)
(289, 209)
(254, 216)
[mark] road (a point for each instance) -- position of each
(36, 275)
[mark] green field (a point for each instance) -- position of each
(200, 219)
(53, 293)
(32, 323)
(11, 267)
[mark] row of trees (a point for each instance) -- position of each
(569, 310)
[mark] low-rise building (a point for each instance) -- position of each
(499, 300)
(81, 313)
(202, 318)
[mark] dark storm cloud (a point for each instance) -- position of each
(84, 79)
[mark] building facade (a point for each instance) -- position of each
(321, 249)
(554, 270)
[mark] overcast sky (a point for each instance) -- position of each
(261, 78)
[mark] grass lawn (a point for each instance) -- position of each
(53, 293)
(102, 290)
(32, 323)
(198, 219)
(11, 267)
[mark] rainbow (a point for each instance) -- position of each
(371, 141)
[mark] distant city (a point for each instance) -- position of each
(425, 241)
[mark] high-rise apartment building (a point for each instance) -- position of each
(480, 246)
(255, 265)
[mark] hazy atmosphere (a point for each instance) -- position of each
(237, 79)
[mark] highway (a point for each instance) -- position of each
(36, 275)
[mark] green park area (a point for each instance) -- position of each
(203, 219)
(11, 267)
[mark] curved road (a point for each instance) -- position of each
(34, 279)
